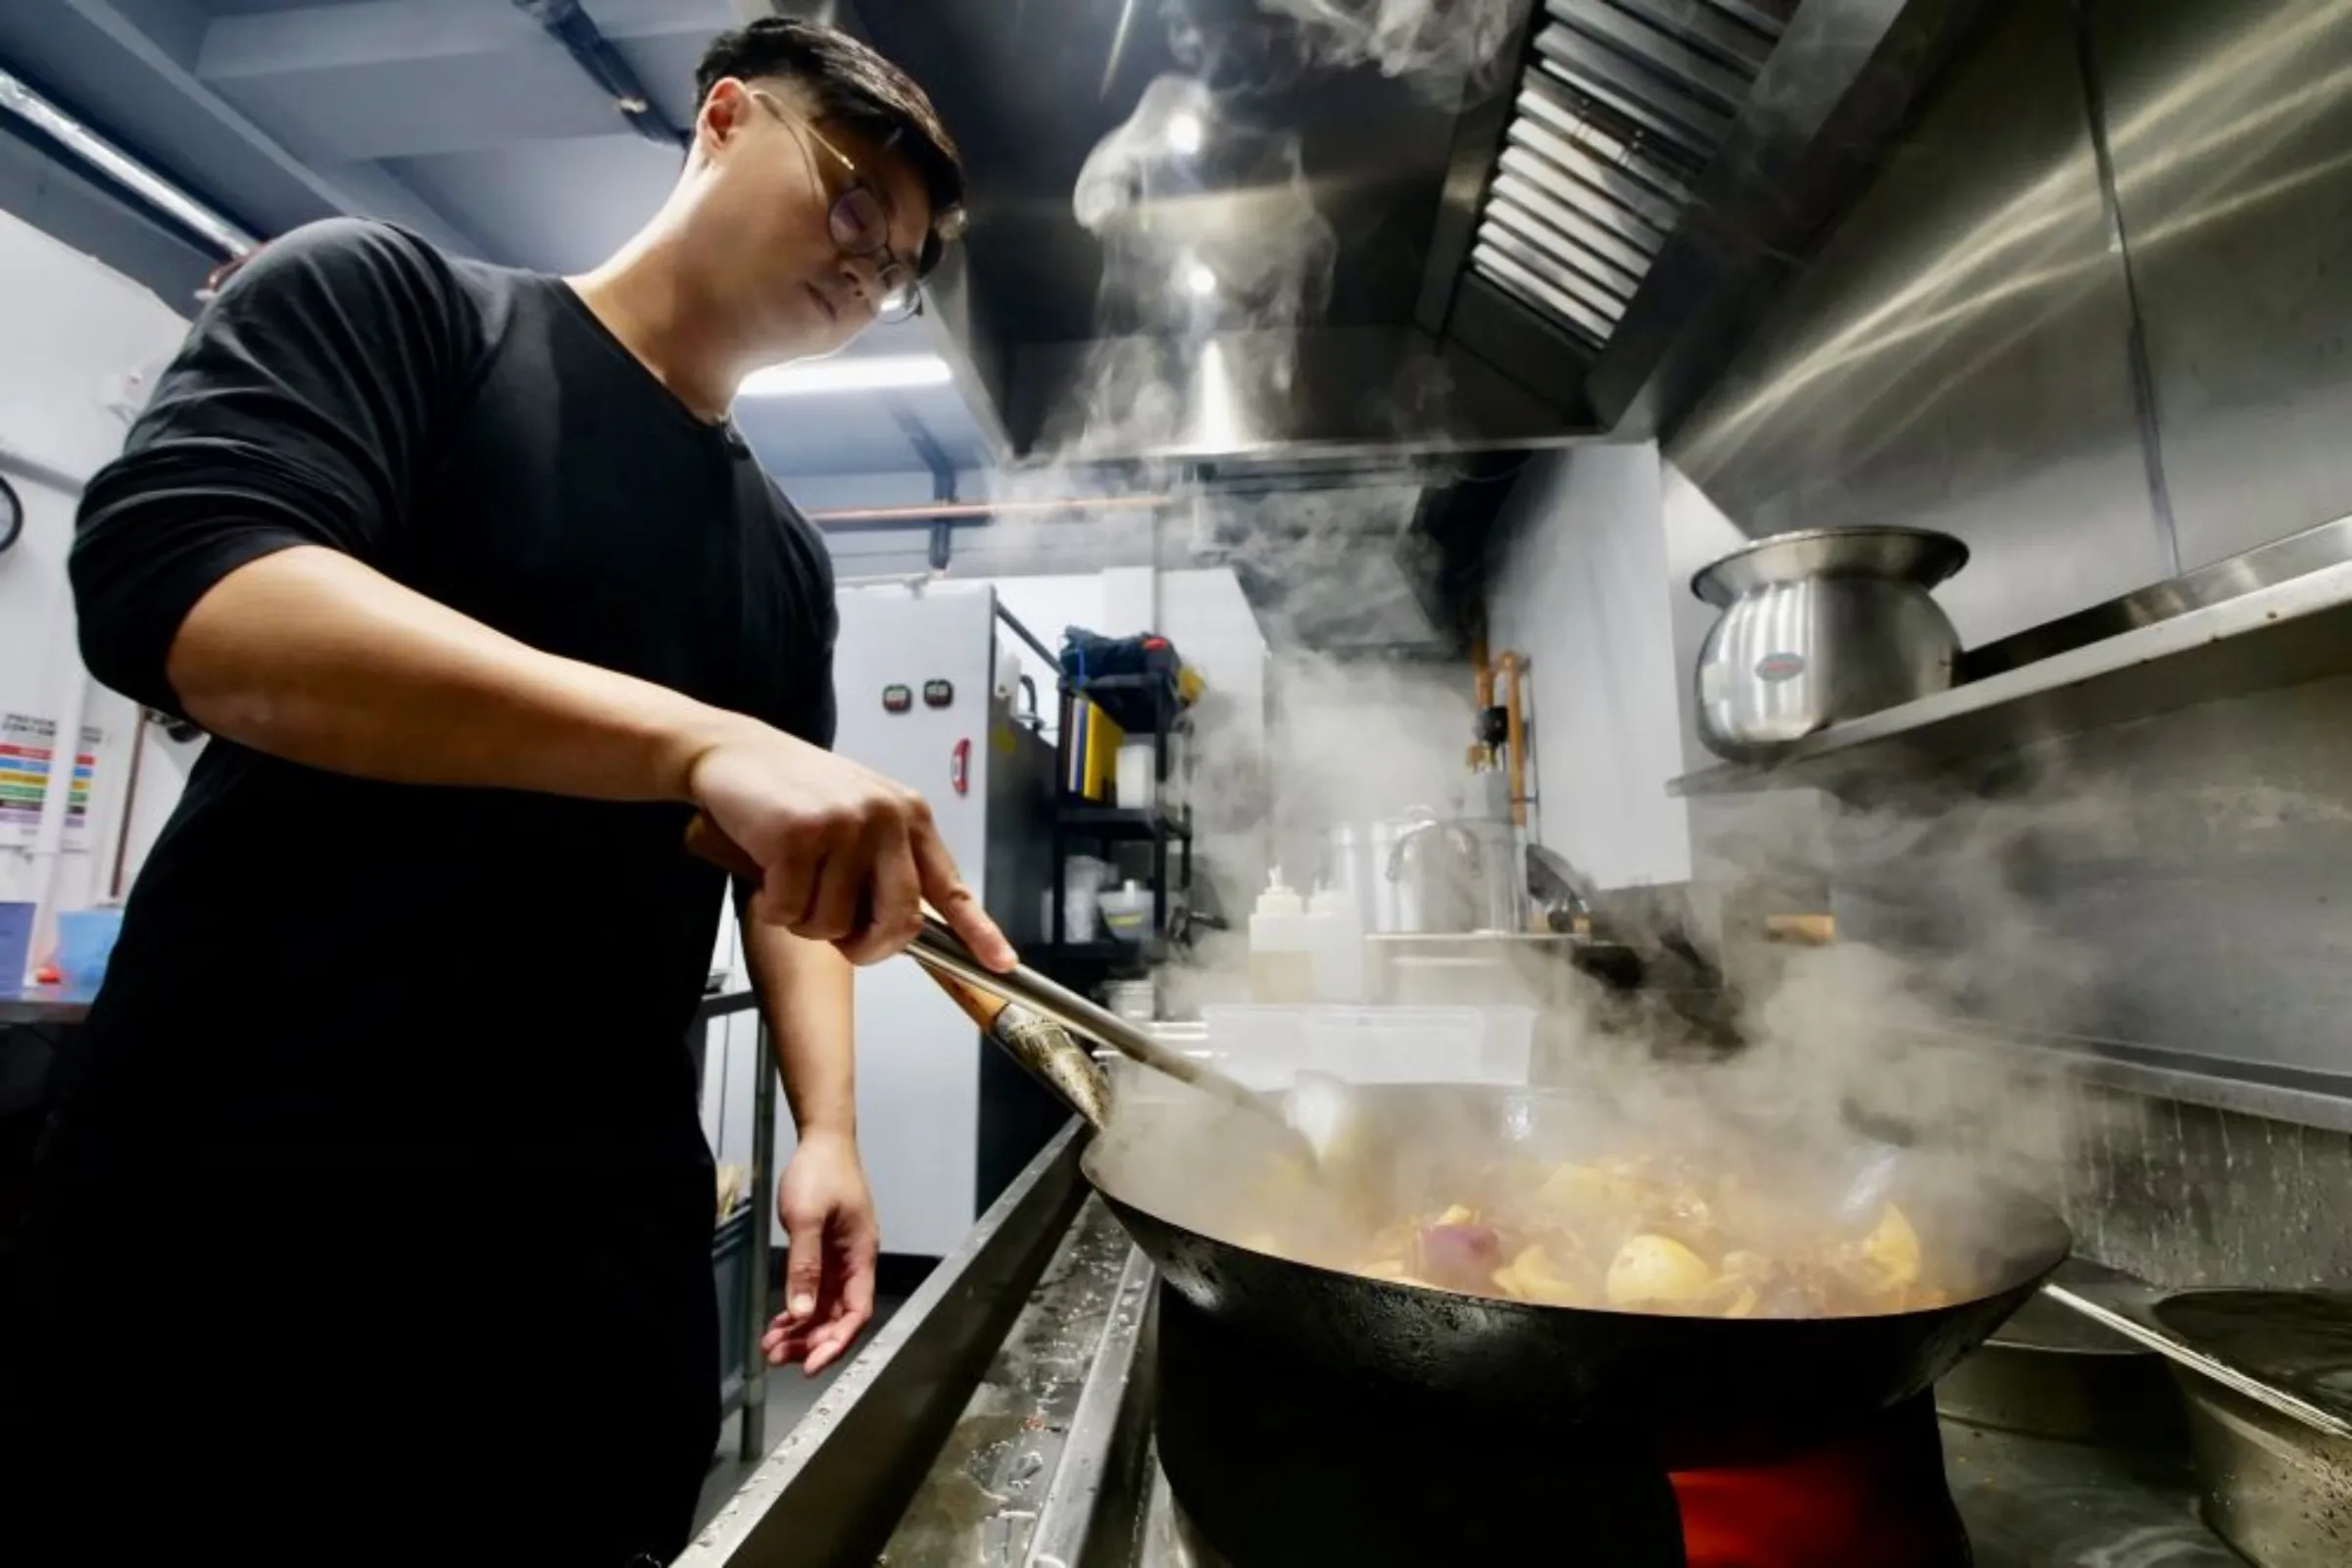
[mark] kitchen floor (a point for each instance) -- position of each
(789, 1398)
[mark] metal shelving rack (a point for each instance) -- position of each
(2273, 616)
(1083, 824)
(744, 1232)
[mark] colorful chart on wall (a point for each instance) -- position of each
(27, 751)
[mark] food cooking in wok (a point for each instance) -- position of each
(1643, 1234)
(1401, 1256)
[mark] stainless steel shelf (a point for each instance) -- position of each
(2274, 616)
(2304, 1096)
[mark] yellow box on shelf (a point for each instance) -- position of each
(1090, 750)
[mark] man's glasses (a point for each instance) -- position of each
(859, 222)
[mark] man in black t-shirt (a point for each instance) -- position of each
(380, 1158)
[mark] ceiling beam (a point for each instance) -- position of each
(401, 78)
(145, 82)
(591, 49)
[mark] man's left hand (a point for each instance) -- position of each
(828, 1213)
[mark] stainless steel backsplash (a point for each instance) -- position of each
(2183, 1194)
(2091, 317)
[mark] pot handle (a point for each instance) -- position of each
(1395, 867)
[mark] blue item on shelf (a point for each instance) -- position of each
(1087, 655)
(1132, 679)
(85, 941)
(15, 945)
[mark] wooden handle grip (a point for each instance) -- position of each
(1801, 930)
(981, 1006)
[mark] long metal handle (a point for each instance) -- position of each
(1039, 1045)
(939, 948)
(2130, 1309)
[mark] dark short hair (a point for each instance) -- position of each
(853, 84)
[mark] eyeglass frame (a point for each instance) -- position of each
(887, 259)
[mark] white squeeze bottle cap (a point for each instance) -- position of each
(1329, 900)
(1279, 898)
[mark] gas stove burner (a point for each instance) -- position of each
(1272, 1467)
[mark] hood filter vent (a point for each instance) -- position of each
(1622, 104)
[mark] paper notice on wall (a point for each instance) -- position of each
(27, 753)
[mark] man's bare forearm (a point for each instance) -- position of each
(313, 656)
(808, 996)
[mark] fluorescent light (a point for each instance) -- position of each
(872, 373)
(1185, 133)
(1200, 281)
(120, 167)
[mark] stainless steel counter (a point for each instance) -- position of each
(1003, 1418)
(42, 1005)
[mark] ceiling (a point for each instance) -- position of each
(1262, 241)
(462, 119)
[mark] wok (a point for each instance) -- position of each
(1696, 1390)
(1704, 1390)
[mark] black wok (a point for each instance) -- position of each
(1695, 1389)
(1699, 1389)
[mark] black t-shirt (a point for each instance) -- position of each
(317, 964)
(389, 1076)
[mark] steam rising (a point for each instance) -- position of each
(1446, 49)
(1437, 44)
(1216, 258)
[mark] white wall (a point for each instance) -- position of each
(1357, 740)
(76, 343)
(1203, 612)
(1047, 605)
(1581, 587)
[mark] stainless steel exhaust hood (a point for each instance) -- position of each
(1570, 257)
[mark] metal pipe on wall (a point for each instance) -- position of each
(586, 44)
(117, 169)
(923, 512)
(1514, 738)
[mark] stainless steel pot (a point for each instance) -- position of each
(1818, 626)
(2276, 1490)
(1358, 858)
(1458, 876)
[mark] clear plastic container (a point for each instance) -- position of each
(1335, 941)
(1077, 915)
(1082, 879)
(1139, 773)
(1282, 957)
(1126, 910)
